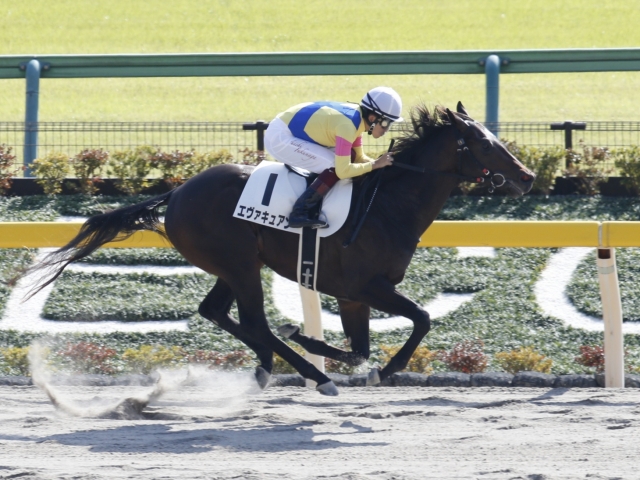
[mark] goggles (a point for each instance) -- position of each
(385, 122)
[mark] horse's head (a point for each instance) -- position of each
(483, 156)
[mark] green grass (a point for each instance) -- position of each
(74, 26)
(435, 270)
(128, 297)
(12, 261)
(82, 26)
(167, 257)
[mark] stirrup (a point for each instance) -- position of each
(323, 218)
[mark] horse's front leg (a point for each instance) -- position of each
(382, 295)
(355, 323)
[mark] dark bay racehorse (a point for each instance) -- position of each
(449, 147)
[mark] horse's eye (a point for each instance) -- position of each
(486, 144)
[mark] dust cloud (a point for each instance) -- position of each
(225, 392)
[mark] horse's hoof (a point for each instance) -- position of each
(374, 377)
(328, 388)
(262, 377)
(288, 330)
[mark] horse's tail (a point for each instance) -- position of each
(113, 226)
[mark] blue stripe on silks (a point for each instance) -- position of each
(299, 121)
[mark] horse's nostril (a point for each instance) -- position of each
(526, 178)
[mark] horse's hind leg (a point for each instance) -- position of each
(355, 323)
(215, 307)
(247, 286)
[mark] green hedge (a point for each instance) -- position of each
(137, 168)
(134, 169)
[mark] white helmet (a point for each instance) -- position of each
(384, 101)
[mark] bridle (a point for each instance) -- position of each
(461, 151)
(496, 179)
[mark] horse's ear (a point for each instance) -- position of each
(460, 108)
(457, 121)
(452, 117)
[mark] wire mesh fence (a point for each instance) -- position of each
(72, 137)
(548, 134)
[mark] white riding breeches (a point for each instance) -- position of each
(284, 147)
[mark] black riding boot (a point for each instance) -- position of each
(300, 215)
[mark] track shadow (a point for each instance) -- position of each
(552, 397)
(166, 439)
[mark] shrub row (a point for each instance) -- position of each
(91, 358)
(138, 168)
(8, 167)
(133, 169)
(589, 166)
(469, 357)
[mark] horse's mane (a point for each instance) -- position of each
(425, 125)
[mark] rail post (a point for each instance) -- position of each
(568, 127)
(612, 317)
(32, 75)
(492, 73)
(260, 126)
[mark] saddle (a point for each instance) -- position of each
(273, 188)
(306, 174)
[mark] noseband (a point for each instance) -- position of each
(496, 179)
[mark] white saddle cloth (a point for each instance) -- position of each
(271, 191)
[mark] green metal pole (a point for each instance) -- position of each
(31, 115)
(492, 72)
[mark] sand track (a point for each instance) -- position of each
(222, 427)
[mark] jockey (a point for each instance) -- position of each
(325, 138)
